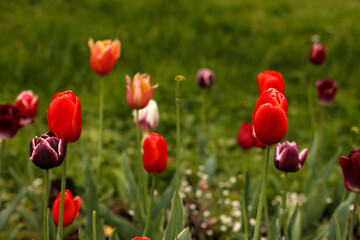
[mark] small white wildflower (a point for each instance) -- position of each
(206, 213)
(203, 225)
(188, 171)
(188, 189)
(208, 195)
(182, 195)
(233, 179)
(198, 193)
(236, 213)
(209, 232)
(351, 207)
(192, 206)
(273, 202)
(185, 183)
(235, 204)
(329, 200)
(131, 212)
(263, 238)
(226, 192)
(252, 221)
(37, 182)
(223, 228)
(200, 174)
(236, 227)
(201, 167)
(205, 176)
(249, 207)
(227, 201)
(156, 192)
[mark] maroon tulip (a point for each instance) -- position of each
(10, 121)
(246, 139)
(326, 91)
(317, 54)
(205, 78)
(28, 104)
(47, 151)
(350, 166)
(287, 157)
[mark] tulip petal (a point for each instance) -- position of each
(351, 173)
(152, 154)
(162, 148)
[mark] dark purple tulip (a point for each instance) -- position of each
(47, 151)
(9, 120)
(205, 77)
(288, 158)
(317, 54)
(350, 166)
(326, 91)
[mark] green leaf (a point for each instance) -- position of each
(90, 199)
(326, 171)
(30, 217)
(8, 211)
(114, 235)
(157, 230)
(130, 177)
(185, 234)
(313, 151)
(317, 197)
(339, 233)
(164, 201)
(175, 225)
(292, 223)
(125, 229)
(210, 166)
(342, 213)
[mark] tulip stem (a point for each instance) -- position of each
(152, 192)
(310, 99)
(46, 202)
(178, 93)
(138, 131)
(2, 150)
(101, 119)
(61, 211)
(246, 228)
(94, 224)
(284, 214)
(203, 113)
(353, 216)
(262, 194)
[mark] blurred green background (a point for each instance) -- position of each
(43, 47)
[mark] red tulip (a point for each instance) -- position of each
(10, 121)
(155, 153)
(270, 117)
(28, 104)
(64, 116)
(350, 166)
(317, 54)
(139, 93)
(270, 79)
(258, 143)
(245, 138)
(103, 55)
(141, 238)
(71, 208)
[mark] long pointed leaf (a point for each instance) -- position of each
(176, 224)
(185, 234)
(130, 177)
(164, 201)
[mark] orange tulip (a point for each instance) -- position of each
(139, 93)
(103, 55)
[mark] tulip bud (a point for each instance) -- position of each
(270, 79)
(139, 93)
(71, 208)
(47, 151)
(148, 116)
(270, 117)
(155, 153)
(205, 78)
(317, 54)
(246, 139)
(64, 116)
(350, 168)
(10, 121)
(103, 55)
(326, 91)
(28, 104)
(287, 157)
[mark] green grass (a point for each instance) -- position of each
(43, 47)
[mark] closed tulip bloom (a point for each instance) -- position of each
(155, 153)
(258, 143)
(10, 121)
(270, 117)
(350, 166)
(205, 78)
(71, 208)
(270, 79)
(326, 91)
(141, 238)
(28, 104)
(139, 93)
(103, 55)
(47, 151)
(148, 116)
(287, 157)
(64, 116)
(317, 54)
(246, 139)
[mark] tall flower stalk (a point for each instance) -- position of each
(262, 194)
(46, 203)
(152, 192)
(61, 211)
(101, 119)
